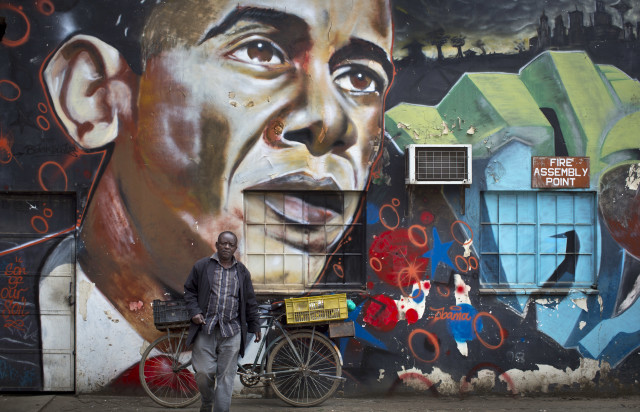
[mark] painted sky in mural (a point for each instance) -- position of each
(500, 25)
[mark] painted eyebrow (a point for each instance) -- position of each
(356, 49)
(362, 49)
(266, 16)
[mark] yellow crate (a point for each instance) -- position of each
(316, 308)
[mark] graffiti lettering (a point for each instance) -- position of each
(13, 310)
(454, 314)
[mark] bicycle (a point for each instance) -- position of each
(165, 370)
(301, 365)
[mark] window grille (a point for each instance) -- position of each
(438, 164)
(538, 239)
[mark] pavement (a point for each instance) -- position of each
(397, 403)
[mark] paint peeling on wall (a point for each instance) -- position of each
(544, 379)
(547, 378)
(84, 291)
(581, 303)
(112, 317)
(135, 306)
(415, 378)
(633, 179)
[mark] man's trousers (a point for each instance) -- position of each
(215, 361)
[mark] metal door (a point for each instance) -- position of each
(37, 284)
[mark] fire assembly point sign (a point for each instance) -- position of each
(560, 172)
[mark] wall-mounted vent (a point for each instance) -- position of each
(436, 164)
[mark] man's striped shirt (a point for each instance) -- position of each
(223, 303)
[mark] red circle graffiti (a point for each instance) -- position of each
(411, 316)
(15, 86)
(466, 265)
(384, 222)
(43, 123)
(39, 219)
(426, 217)
(47, 212)
(395, 202)
(378, 264)
(338, 270)
(473, 263)
(41, 171)
(45, 7)
(475, 330)
(5, 150)
(431, 337)
(468, 227)
(424, 235)
(381, 312)
(392, 256)
(42, 108)
(23, 39)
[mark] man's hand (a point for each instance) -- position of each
(258, 336)
(198, 319)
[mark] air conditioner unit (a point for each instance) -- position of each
(438, 164)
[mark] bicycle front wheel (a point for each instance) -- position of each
(307, 381)
(166, 373)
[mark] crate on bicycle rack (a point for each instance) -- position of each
(168, 313)
(316, 308)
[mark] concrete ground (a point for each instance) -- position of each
(410, 403)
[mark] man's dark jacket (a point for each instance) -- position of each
(196, 294)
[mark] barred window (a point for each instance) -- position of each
(538, 239)
(299, 240)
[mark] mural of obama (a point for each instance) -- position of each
(233, 97)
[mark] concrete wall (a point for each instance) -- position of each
(132, 134)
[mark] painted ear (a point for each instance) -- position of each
(90, 85)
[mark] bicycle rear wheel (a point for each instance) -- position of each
(166, 373)
(309, 381)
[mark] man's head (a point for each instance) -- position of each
(234, 96)
(226, 246)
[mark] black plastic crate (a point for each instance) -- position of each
(170, 313)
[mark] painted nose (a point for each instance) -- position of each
(320, 118)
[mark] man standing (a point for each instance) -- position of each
(222, 306)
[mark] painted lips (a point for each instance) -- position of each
(297, 209)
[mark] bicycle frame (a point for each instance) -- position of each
(272, 321)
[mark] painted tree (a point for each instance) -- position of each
(438, 38)
(457, 42)
(481, 45)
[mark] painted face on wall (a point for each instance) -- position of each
(262, 96)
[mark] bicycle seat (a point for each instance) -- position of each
(271, 307)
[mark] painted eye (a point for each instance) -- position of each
(358, 81)
(259, 52)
